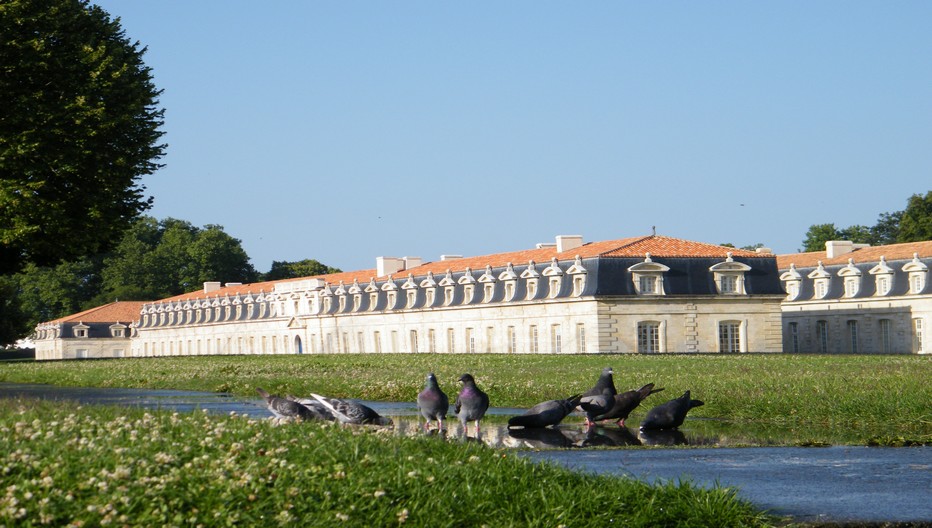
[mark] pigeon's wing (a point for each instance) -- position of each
(333, 405)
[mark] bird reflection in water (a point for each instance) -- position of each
(663, 437)
(608, 437)
(540, 437)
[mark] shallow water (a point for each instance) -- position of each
(836, 484)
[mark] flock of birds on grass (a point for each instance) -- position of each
(600, 403)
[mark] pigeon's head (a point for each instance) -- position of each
(467, 378)
(607, 371)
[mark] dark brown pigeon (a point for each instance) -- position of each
(671, 414)
(627, 401)
(545, 414)
(471, 403)
(433, 403)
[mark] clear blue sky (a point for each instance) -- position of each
(342, 131)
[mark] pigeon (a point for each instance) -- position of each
(627, 401)
(671, 414)
(318, 410)
(545, 414)
(596, 405)
(600, 398)
(351, 412)
(605, 384)
(433, 403)
(284, 408)
(471, 403)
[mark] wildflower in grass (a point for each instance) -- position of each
(403, 516)
(378, 493)
(342, 516)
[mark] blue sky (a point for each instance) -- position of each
(343, 131)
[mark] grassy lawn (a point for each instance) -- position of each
(889, 394)
(63, 465)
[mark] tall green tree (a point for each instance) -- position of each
(292, 270)
(79, 127)
(916, 221)
(887, 229)
(818, 235)
(161, 259)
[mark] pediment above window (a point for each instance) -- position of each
(915, 265)
(730, 265)
(791, 274)
(487, 277)
(409, 284)
(819, 273)
(577, 267)
(881, 268)
(429, 282)
(508, 274)
(467, 277)
(390, 285)
(553, 270)
(372, 287)
(850, 270)
(648, 266)
(531, 271)
(355, 288)
(447, 279)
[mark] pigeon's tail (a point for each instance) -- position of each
(696, 403)
(522, 421)
(573, 401)
(340, 416)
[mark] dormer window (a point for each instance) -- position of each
(81, 330)
(118, 330)
(392, 297)
(917, 273)
(852, 278)
(791, 280)
(531, 278)
(469, 286)
(429, 285)
(509, 278)
(449, 288)
(820, 281)
(554, 278)
(410, 288)
(373, 290)
(648, 276)
(391, 293)
(883, 277)
(729, 276)
(488, 284)
(578, 273)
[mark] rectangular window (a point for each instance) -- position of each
(413, 340)
(729, 337)
(851, 287)
(729, 284)
(794, 338)
(394, 342)
(377, 341)
(470, 341)
(431, 341)
(329, 349)
(917, 333)
(512, 341)
(489, 338)
(556, 339)
(647, 284)
(451, 340)
(648, 338)
(533, 338)
(915, 283)
(885, 336)
(822, 336)
(81, 353)
(853, 336)
(360, 343)
(581, 338)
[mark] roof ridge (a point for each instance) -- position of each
(630, 242)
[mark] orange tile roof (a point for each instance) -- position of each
(115, 312)
(657, 246)
(890, 252)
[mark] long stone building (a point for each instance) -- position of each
(854, 298)
(649, 294)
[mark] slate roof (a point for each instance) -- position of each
(656, 245)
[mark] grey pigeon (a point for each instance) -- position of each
(317, 410)
(545, 414)
(627, 401)
(351, 412)
(596, 405)
(283, 408)
(671, 414)
(471, 403)
(600, 398)
(433, 403)
(605, 384)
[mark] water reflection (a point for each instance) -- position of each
(570, 434)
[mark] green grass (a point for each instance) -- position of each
(887, 394)
(61, 464)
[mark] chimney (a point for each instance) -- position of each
(450, 257)
(568, 242)
(764, 251)
(412, 262)
(211, 286)
(227, 285)
(388, 265)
